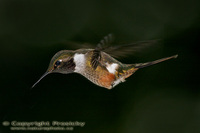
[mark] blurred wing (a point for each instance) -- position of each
(117, 50)
(128, 49)
(105, 42)
(124, 49)
(102, 45)
(76, 45)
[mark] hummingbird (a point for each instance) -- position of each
(97, 64)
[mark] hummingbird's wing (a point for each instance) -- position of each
(117, 50)
(102, 45)
(95, 59)
(106, 45)
(105, 42)
(124, 49)
(76, 45)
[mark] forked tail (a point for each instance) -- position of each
(141, 65)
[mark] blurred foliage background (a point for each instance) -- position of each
(163, 98)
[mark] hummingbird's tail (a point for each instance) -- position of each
(129, 69)
(141, 65)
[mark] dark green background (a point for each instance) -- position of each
(163, 98)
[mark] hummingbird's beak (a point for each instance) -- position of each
(45, 74)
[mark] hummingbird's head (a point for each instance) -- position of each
(61, 62)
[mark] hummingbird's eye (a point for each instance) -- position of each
(57, 63)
